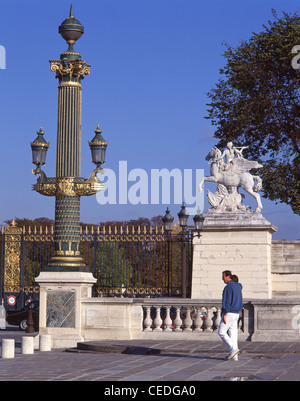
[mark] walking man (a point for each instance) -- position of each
(232, 304)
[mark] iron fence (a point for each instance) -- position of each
(127, 261)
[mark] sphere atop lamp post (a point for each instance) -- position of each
(71, 29)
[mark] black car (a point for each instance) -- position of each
(19, 317)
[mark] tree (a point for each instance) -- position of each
(112, 268)
(38, 222)
(256, 103)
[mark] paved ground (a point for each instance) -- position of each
(176, 362)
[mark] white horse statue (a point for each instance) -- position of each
(233, 173)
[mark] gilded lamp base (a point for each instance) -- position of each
(61, 263)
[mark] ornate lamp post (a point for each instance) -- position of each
(66, 279)
(168, 225)
(68, 186)
(183, 222)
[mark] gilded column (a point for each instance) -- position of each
(67, 279)
(70, 70)
(68, 186)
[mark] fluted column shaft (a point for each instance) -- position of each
(68, 150)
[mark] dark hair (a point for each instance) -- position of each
(227, 273)
(234, 278)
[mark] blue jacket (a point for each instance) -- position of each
(232, 300)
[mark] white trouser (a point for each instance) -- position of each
(229, 331)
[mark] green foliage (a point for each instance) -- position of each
(112, 268)
(256, 103)
(38, 222)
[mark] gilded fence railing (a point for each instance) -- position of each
(127, 261)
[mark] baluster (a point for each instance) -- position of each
(148, 320)
(168, 320)
(177, 321)
(157, 321)
(240, 321)
(187, 324)
(218, 318)
(208, 320)
(198, 321)
(245, 320)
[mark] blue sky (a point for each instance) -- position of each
(153, 62)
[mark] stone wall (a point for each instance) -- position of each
(285, 268)
(240, 242)
(124, 319)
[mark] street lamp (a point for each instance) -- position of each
(198, 222)
(39, 149)
(168, 225)
(183, 222)
(98, 148)
(168, 221)
(183, 216)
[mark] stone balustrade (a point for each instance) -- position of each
(157, 318)
(181, 317)
(185, 319)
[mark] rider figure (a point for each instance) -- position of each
(229, 155)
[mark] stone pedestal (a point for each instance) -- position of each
(237, 241)
(61, 294)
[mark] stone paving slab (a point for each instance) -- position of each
(169, 368)
(186, 347)
(178, 363)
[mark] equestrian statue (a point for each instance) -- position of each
(230, 170)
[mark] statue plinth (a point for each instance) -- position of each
(237, 241)
(235, 220)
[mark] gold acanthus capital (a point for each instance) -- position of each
(70, 71)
